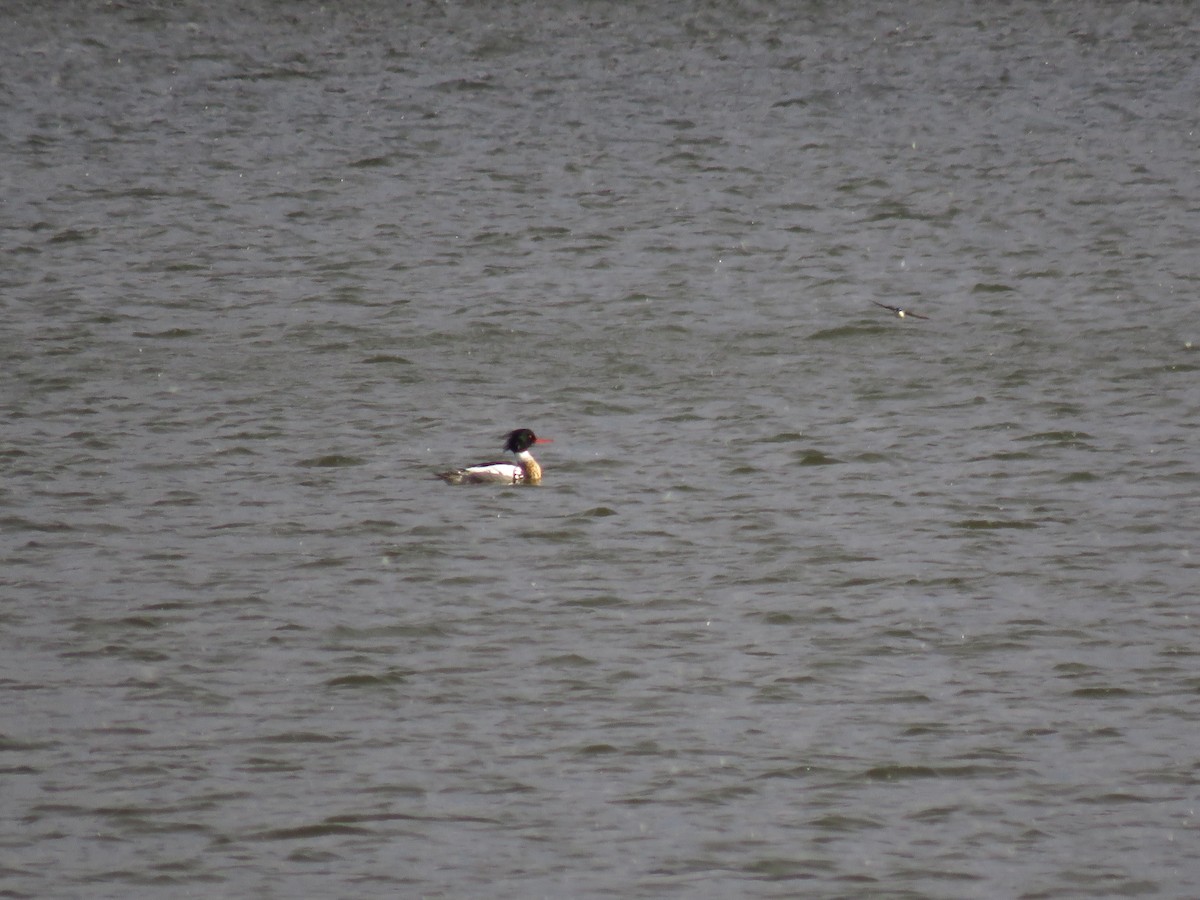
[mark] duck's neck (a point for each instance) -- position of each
(533, 472)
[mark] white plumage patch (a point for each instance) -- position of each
(496, 472)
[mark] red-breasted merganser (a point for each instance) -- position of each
(525, 471)
(900, 312)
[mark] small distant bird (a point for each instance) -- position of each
(525, 471)
(900, 313)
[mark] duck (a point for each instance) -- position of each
(525, 471)
(900, 312)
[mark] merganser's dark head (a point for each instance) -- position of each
(522, 439)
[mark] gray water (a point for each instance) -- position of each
(814, 601)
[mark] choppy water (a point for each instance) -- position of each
(814, 601)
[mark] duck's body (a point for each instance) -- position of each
(525, 471)
(900, 312)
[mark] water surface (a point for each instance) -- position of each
(813, 601)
